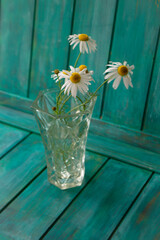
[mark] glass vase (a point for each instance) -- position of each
(64, 137)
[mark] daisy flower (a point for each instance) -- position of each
(117, 71)
(85, 42)
(55, 74)
(81, 67)
(75, 80)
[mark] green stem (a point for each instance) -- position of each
(81, 102)
(89, 98)
(64, 103)
(77, 60)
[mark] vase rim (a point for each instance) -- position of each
(64, 115)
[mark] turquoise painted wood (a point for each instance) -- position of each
(9, 137)
(15, 45)
(50, 45)
(40, 204)
(135, 37)
(143, 220)
(94, 18)
(111, 140)
(18, 118)
(96, 212)
(152, 118)
(98, 127)
(19, 167)
(124, 152)
(15, 101)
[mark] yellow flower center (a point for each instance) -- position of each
(81, 67)
(83, 37)
(56, 71)
(75, 77)
(122, 70)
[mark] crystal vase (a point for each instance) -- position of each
(64, 137)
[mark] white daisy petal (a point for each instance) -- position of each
(109, 75)
(110, 70)
(84, 44)
(116, 82)
(112, 78)
(125, 80)
(117, 71)
(74, 90)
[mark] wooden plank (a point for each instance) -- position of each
(97, 22)
(40, 204)
(124, 152)
(19, 119)
(152, 118)
(15, 45)
(9, 137)
(50, 46)
(127, 135)
(111, 140)
(15, 101)
(99, 208)
(143, 220)
(19, 167)
(135, 36)
(97, 127)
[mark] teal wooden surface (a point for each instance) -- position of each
(143, 220)
(15, 101)
(94, 18)
(121, 143)
(152, 118)
(9, 137)
(15, 45)
(125, 135)
(50, 45)
(102, 204)
(98, 127)
(18, 118)
(19, 166)
(40, 204)
(124, 152)
(135, 37)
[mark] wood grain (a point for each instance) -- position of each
(152, 117)
(18, 118)
(19, 167)
(95, 19)
(40, 204)
(134, 40)
(15, 45)
(101, 205)
(9, 137)
(50, 45)
(143, 220)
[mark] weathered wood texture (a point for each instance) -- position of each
(15, 101)
(15, 44)
(20, 166)
(135, 38)
(152, 117)
(9, 137)
(34, 41)
(143, 220)
(96, 212)
(40, 204)
(108, 139)
(95, 18)
(50, 46)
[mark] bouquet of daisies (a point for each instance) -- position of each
(75, 82)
